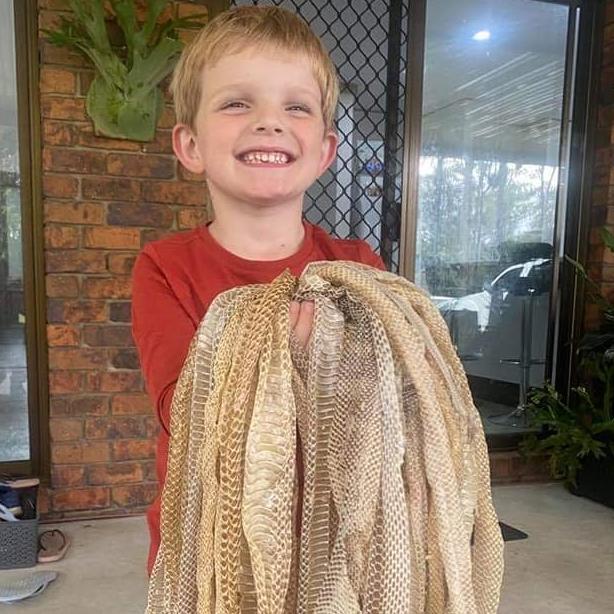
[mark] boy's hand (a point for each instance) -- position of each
(301, 320)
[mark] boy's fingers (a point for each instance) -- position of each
(304, 322)
(294, 312)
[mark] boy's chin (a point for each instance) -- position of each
(270, 199)
(268, 203)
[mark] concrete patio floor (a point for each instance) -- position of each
(566, 566)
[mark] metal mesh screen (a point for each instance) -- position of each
(360, 195)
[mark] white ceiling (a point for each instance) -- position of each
(503, 95)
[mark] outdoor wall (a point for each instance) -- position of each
(103, 200)
(601, 260)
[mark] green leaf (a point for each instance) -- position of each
(126, 17)
(605, 427)
(155, 10)
(102, 104)
(147, 72)
(580, 270)
(138, 117)
(608, 238)
(594, 288)
(109, 67)
(190, 22)
(118, 116)
(68, 33)
(90, 15)
(585, 397)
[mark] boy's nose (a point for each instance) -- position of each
(268, 121)
(266, 128)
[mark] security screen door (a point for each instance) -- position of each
(360, 195)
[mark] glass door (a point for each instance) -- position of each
(15, 439)
(23, 370)
(489, 177)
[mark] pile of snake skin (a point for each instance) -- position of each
(349, 476)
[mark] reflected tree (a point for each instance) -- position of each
(469, 208)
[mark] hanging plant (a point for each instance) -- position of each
(125, 99)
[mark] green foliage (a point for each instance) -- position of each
(585, 426)
(124, 100)
(470, 208)
(573, 431)
(593, 292)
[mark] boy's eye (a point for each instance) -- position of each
(235, 104)
(299, 107)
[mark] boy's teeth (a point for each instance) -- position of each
(276, 157)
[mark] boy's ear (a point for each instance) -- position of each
(186, 149)
(329, 150)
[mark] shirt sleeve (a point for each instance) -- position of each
(162, 332)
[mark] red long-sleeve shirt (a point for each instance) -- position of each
(175, 280)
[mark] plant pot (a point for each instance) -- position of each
(595, 480)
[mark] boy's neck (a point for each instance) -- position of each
(270, 236)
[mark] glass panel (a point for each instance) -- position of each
(489, 173)
(360, 195)
(14, 437)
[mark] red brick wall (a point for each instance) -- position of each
(103, 200)
(601, 260)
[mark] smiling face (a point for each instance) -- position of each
(259, 134)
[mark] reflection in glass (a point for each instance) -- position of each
(489, 174)
(14, 437)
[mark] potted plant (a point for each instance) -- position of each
(578, 434)
(125, 99)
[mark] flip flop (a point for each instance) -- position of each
(21, 588)
(52, 546)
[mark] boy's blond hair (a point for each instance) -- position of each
(241, 28)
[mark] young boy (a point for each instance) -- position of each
(255, 96)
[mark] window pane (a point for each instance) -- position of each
(489, 172)
(14, 438)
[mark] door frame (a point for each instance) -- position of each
(29, 139)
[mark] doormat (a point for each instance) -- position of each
(511, 534)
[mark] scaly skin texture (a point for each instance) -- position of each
(394, 480)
